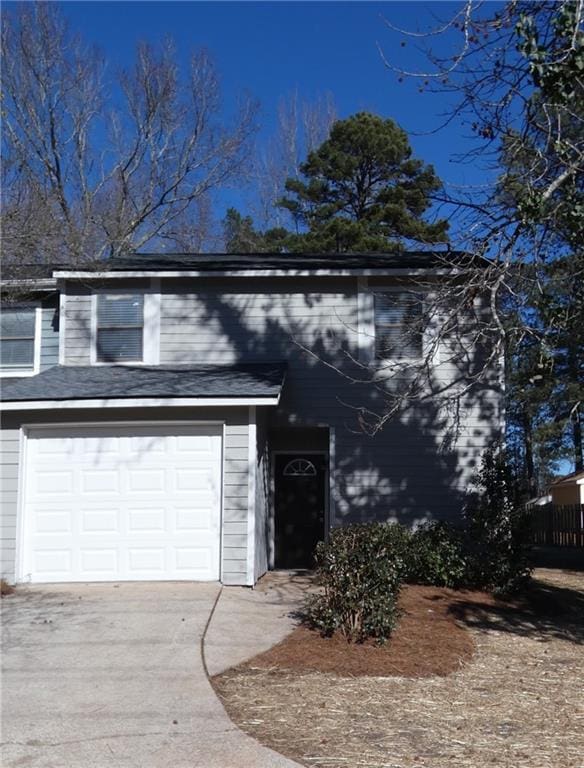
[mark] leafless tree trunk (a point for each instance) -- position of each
(94, 167)
(301, 127)
(522, 92)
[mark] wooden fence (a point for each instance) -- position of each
(558, 526)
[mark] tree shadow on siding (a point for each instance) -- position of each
(414, 469)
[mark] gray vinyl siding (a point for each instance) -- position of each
(413, 470)
(235, 495)
(76, 326)
(225, 321)
(9, 458)
(235, 498)
(50, 333)
(78, 318)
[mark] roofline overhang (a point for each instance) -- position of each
(44, 284)
(139, 402)
(148, 273)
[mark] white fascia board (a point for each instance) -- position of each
(45, 284)
(140, 402)
(377, 272)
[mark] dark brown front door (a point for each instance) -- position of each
(300, 482)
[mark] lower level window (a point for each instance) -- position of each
(17, 337)
(120, 328)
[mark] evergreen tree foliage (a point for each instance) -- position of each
(498, 527)
(362, 190)
(241, 236)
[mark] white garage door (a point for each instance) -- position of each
(122, 503)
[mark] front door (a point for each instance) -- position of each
(300, 482)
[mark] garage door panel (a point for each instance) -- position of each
(58, 447)
(194, 518)
(52, 563)
(47, 481)
(99, 562)
(191, 559)
(201, 444)
(99, 482)
(147, 480)
(146, 520)
(114, 503)
(146, 560)
(52, 521)
(100, 448)
(100, 521)
(194, 479)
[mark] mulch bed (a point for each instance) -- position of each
(516, 703)
(5, 588)
(428, 641)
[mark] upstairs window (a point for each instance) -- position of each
(398, 325)
(120, 328)
(17, 339)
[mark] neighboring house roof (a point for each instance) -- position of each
(18, 271)
(29, 277)
(60, 383)
(573, 477)
(539, 501)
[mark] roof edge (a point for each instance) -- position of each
(209, 401)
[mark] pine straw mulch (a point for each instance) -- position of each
(5, 588)
(427, 700)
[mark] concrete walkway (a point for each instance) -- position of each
(97, 676)
(247, 622)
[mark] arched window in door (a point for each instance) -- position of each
(299, 468)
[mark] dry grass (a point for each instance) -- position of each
(517, 704)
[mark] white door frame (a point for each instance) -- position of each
(327, 474)
(24, 433)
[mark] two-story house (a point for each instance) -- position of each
(186, 417)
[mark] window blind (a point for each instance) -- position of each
(17, 329)
(398, 325)
(120, 328)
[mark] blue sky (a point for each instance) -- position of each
(274, 48)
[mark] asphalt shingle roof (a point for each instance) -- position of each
(261, 261)
(97, 382)
(220, 262)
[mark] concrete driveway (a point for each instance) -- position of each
(105, 675)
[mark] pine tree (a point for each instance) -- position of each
(241, 236)
(362, 190)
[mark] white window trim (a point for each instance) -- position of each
(150, 324)
(7, 373)
(381, 361)
(62, 316)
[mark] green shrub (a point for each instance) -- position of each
(436, 556)
(360, 569)
(498, 530)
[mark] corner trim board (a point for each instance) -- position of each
(251, 493)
